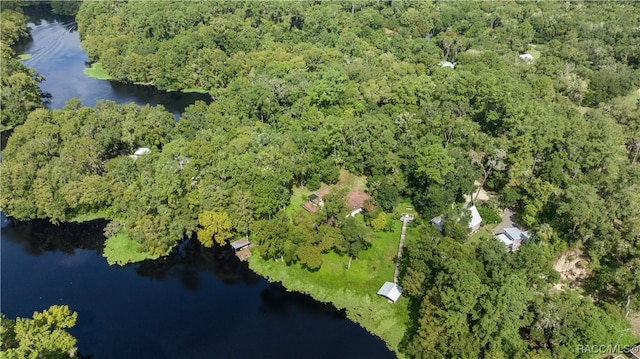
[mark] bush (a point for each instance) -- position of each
(313, 184)
(489, 215)
(510, 196)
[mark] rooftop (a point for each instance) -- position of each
(356, 199)
(475, 217)
(447, 64)
(310, 207)
(391, 291)
(240, 243)
(323, 191)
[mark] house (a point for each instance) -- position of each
(448, 64)
(528, 58)
(314, 201)
(474, 222)
(512, 238)
(390, 291)
(139, 152)
(355, 201)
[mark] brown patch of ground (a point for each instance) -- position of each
(573, 269)
(350, 181)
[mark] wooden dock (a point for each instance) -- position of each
(244, 253)
(406, 218)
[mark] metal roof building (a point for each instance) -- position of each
(390, 291)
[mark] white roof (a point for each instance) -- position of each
(475, 217)
(504, 239)
(141, 151)
(391, 291)
(447, 64)
(437, 221)
(526, 57)
(515, 234)
(240, 243)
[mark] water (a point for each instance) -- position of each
(55, 52)
(195, 303)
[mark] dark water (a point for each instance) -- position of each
(196, 303)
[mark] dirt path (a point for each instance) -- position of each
(483, 196)
(400, 247)
(508, 220)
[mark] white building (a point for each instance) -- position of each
(448, 64)
(512, 238)
(390, 291)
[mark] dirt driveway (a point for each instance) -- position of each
(508, 220)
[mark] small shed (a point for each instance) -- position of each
(437, 222)
(142, 151)
(390, 291)
(448, 64)
(528, 58)
(139, 152)
(241, 243)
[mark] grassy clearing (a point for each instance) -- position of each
(121, 250)
(194, 89)
(534, 50)
(24, 57)
(632, 98)
(89, 217)
(346, 180)
(97, 72)
(351, 181)
(483, 234)
(297, 199)
(351, 289)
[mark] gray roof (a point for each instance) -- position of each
(437, 221)
(515, 234)
(240, 243)
(391, 291)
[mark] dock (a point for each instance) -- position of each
(406, 218)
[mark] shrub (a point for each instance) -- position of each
(489, 215)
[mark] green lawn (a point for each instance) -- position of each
(297, 199)
(352, 289)
(121, 250)
(534, 50)
(483, 234)
(96, 71)
(632, 98)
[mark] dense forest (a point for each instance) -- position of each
(305, 90)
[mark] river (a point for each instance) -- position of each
(195, 303)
